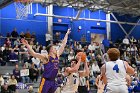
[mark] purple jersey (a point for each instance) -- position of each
(47, 84)
(51, 68)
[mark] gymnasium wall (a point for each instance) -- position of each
(117, 32)
(36, 24)
(136, 32)
(88, 27)
(0, 21)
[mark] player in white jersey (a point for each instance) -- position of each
(114, 72)
(72, 76)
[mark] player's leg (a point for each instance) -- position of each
(112, 89)
(123, 89)
(44, 86)
(117, 89)
(53, 87)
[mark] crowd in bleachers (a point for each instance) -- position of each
(12, 52)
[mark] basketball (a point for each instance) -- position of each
(83, 56)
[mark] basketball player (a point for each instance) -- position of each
(72, 76)
(50, 61)
(114, 72)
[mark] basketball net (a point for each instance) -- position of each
(23, 8)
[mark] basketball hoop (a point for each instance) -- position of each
(23, 8)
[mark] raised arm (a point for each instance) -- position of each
(103, 76)
(32, 52)
(61, 49)
(129, 69)
(85, 72)
(97, 81)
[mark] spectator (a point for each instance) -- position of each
(57, 46)
(27, 34)
(1, 52)
(97, 45)
(8, 42)
(57, 36)
(135, 77)
(13, 57)
(32, 41)
(126, 41)
(135, 85)
(41, 68)
(48, 39)
(2, 62)
(70, 56)
(8, 35)
(16, 73)
(90, 55)
(33, 73)
(6, 53)
(83, 40)
(106, 44)
(33, 35)
(22, 35)
(86, 49)
(12, 83)
(36, 61)
(133, 40)
(1, 80)
(14, 33)
(3, 47)
(5, 89)
(28, 62)
(16, 49)
(16, 42)
(79, 46)
(23, 54)
(44, 51)
(91, 46)
(71, 49)
(83, 85)
(31, 89)
(38, 48)
(99, 60)
(95, 69)
(25, 79)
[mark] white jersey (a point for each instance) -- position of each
(116, 73)
(71, 83)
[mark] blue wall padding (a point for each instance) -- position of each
(36, 24)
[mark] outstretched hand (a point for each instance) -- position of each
(23, 41)
(69, 31)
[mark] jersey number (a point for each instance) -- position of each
(116, 68)
(55, 65)
(74, 81)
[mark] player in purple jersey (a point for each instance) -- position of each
(50, 61)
